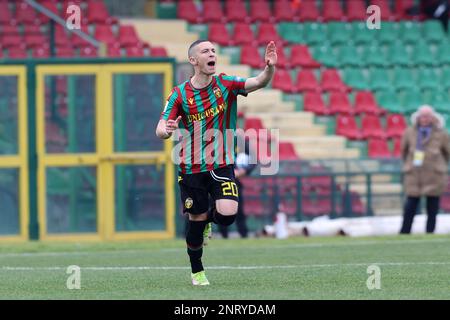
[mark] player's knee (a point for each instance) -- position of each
(223, 219)
(194, 241)
(227, 207)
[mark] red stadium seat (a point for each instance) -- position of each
(356, 10)
(188, 11)
(243, 34)
(114, 50)
(331, 81)
(26, 14)
(346, 126)
(287, 151)
(395, 125)
(218, 33)
(98, 13)
(10, 40)
(308, 11)
(254, 208)
(332, 10)
(65, 52)
(397, 147)
(306, 81)
(260, 11)
(282, 80)
(365, 103)
(378, 148)
(266, 33)
(158, 52)
(313, 102)
(104, 34)
(79, 41)
(253, 123)
(51, 6)
(42, 52)
(301, 57)
(32, 29)
(128, 36)
(35, 40)
(88, 52)
(284, 10)
(340, 104)
(212, 11)
(401, 8)
(371, 127)
(357, 204)
(10, 30)
(236, 11)
(6, 16)
(251, 56)
(18, 52)
(283, 61)
(386, 12)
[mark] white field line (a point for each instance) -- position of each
(306, 266)
(257, 247)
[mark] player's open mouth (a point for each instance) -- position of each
(211, 63)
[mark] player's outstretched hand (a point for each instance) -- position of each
(271, 54)
(172, 125)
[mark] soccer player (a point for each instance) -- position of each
(208, 101)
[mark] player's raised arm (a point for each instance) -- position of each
(261, 80)
(165, 128)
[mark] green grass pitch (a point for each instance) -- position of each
(412, 267)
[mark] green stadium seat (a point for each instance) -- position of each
(339, 32)
(326, 56)
(433, 31)
(422, 54)
(403, 79)
(361, 34)
(388, 99)
(290, 31)
(427, 79)
(398, 55)
(374, 56)
(355, 78)
(388, 32)
(440, 100)
(443, 53)
(315, 33)
(409, 31)
(349, 56)
(445, 78)
(411, 100)
(379, 79)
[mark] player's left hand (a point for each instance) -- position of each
(271, 54)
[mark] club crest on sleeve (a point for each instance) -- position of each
(188, 203)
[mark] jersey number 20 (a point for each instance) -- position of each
(229, 189)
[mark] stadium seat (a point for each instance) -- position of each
(218, 33)
(331, 81)
(213, 12)
(283, 61)
(339, 103)
(388, 33)
(371, 127)
(440, 100)
(445, 78)
(402, 7)
(423, 55)
(313, 102)
(411, 99)
(114, 50)
(34, 40)
(158, 52)
(356, 10)
(365, 103)
(308, 11)
(373, 55)
(6, 16)
(11, 41)
(443, 53)
(31, 29)
(349, 56)
(385, 10)
(409, 31)
(260, 11)
(254, 207)
(18, 52)
(301, 57)
(357, 206)
(395, 125)
(332, 11)
(378, 148)
(427, 79)
(379, 79)
(88, 52)
(8, 29)
(188, 11)
(283, 10)
(326, 56)
(128, 36)
(388, 100)
(79, 41)
(355, 78)
(433, 31)
(51, 6)
(251, 56)
(306, 81)
(282, 80)
(42, 52)
(65, 52)
(287, 151)
(404, 79)
(346, 126)
(104, 34)
(339, 32)
(361, 35)
(25, 14)
(243, 34)
(398, 55)
(266, 33)
(236, 11)
(314, 33)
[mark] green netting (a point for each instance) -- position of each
(9, 200)
(70, 113)
(71, 199)
(139, 198)
(8, 115)
(138, 102)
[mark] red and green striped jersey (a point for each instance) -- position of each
(213, 107)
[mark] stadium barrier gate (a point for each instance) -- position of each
(79, 159)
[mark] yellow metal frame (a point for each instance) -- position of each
(105, 158)
(20, 160)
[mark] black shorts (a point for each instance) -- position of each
(196, 188)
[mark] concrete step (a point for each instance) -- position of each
(325, 142)
(321, 153)
(306, 131)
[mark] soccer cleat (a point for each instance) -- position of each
(207, 233)
(199, 279)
